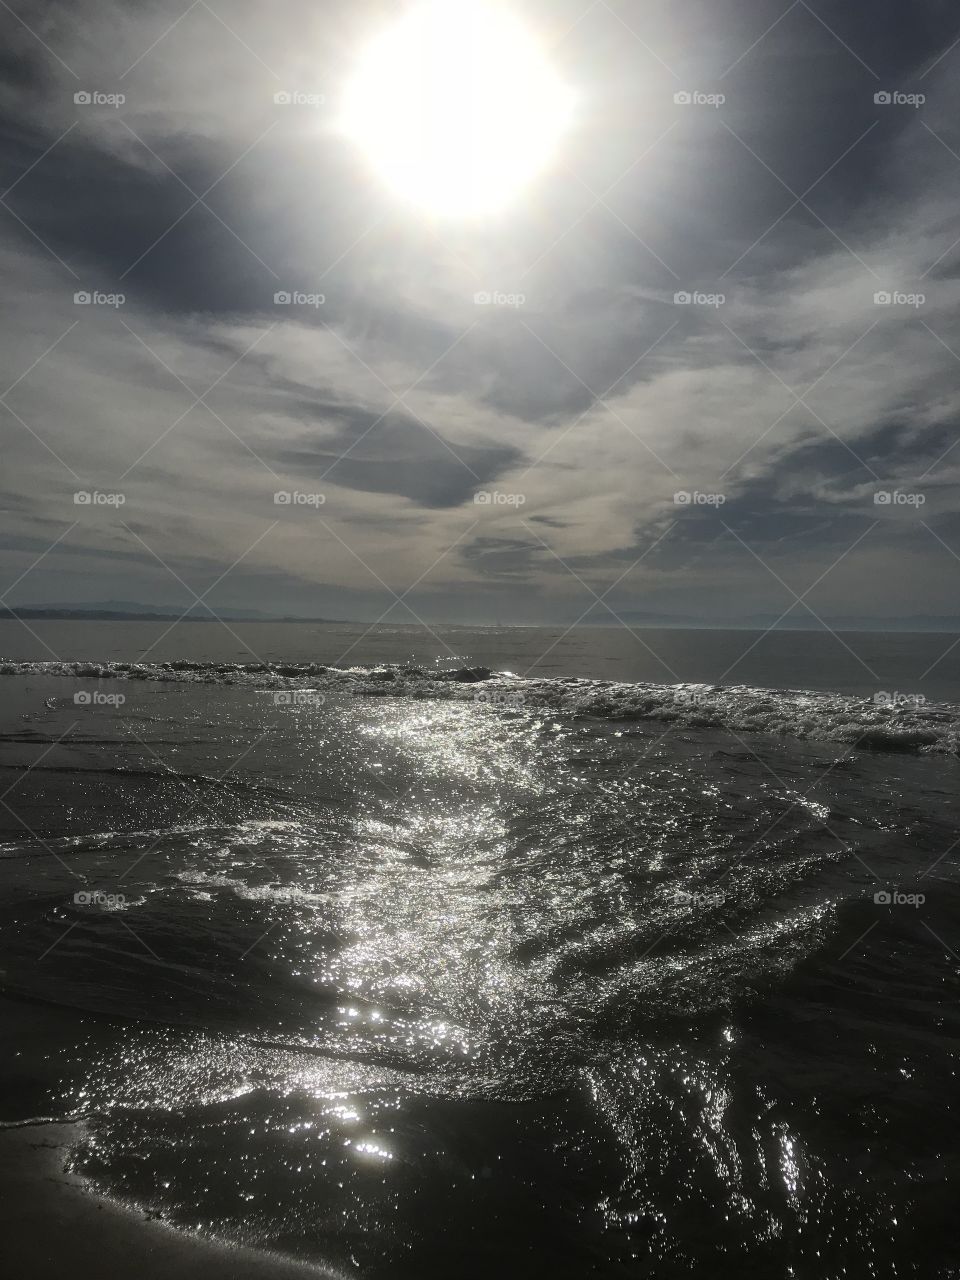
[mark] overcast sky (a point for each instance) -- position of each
(584, 399)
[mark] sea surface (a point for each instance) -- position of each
(866, 662)
(458, 956)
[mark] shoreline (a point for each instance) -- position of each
(52, 1224)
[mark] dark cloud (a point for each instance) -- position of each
(397, 455)
(503, 557)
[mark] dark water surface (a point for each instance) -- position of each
(417, 987)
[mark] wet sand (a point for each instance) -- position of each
(52, 1226)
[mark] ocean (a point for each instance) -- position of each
(494, 951)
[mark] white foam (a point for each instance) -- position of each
(926, 728)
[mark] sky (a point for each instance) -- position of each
(706, 364)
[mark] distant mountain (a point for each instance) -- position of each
(798, 620)
(133, 611)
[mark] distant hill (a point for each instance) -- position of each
(798, 620)
(133, 611)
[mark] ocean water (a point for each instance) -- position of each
(422, 969)
(921, 664)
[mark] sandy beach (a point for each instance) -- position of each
(50, 1223)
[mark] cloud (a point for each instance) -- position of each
(597, 396)
(397, 454)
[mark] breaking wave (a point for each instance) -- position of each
(883, 723)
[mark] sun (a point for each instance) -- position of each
(456, 107)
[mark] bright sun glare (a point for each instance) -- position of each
(456, 107)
